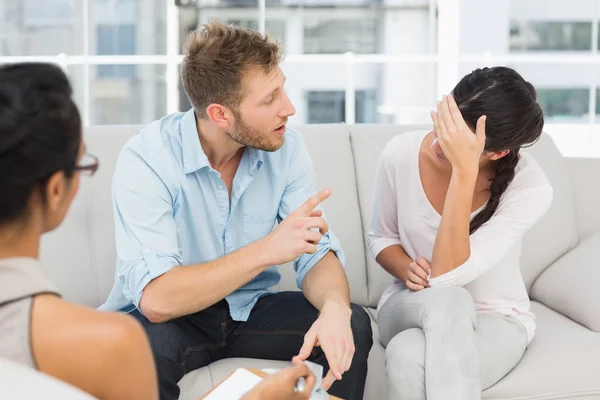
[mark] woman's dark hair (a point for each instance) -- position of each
(514, 120)
(40, 132)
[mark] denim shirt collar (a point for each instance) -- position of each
(194, 157)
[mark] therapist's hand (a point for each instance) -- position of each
(280, 386)
(333, 333)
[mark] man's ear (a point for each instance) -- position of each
(496, 155)
(220, 115)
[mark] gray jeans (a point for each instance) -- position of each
(438, 347)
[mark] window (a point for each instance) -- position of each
(116, 40)
(46, 13)
(135, 100)
(275, 28)
(325, 3)
(335, 36)
(34, 28)
(148, 17)
(550, 36)
(326, 107)
(564, 104)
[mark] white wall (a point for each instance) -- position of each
(406, 90)
(551, 10)
(484, 26)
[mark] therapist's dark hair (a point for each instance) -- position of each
(514, 120)
(40, 133)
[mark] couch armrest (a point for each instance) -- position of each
(571, 286)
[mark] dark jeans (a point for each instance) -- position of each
(275, 330)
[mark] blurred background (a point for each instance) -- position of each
(352, 61)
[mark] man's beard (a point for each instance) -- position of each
(247, 136)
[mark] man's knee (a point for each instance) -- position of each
(361, 331)
(165, 341)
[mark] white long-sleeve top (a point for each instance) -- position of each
(402, 214)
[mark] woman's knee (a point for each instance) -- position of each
(405, 354)
(449, 304)
(405, 365)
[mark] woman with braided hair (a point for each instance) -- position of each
(450, 210)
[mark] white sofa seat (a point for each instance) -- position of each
(562, 362)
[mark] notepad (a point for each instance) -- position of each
(236, 386)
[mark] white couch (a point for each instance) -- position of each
(560, 258)
(18, 382)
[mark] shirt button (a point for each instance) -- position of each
(147, 251)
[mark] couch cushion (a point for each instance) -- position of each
(570, 285)
(329, 148)
(539, 248)
(106, 142)
(561, 362)
(377, 386)
(67, 255)
(368, 142)
(80, 254)
(586, 193)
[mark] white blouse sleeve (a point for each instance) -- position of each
(384, 221)
(491, 242)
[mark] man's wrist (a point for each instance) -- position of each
(258, 255)
(337, 304)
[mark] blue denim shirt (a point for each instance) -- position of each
(171, 208)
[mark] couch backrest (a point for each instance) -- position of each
(556, 233)
(80, 255)
(368, 142)
(329, 147)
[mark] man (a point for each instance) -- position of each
(196, 196)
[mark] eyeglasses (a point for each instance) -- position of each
(88, 165)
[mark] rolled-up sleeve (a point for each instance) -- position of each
(494, 239)
(145, 232)
(300, 187)
(384, 231)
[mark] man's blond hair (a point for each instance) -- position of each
(216, 56)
